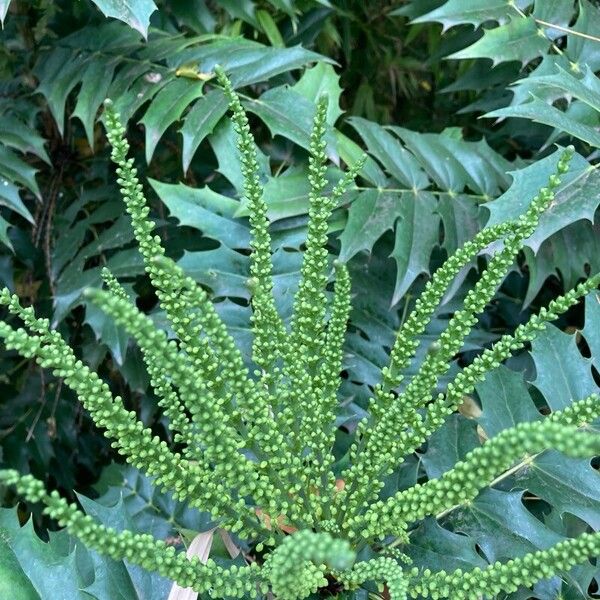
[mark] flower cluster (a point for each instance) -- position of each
(256, 441)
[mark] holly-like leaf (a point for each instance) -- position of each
(226, 273)
(449, 445)
(59, 568)
(4, 4)
(417, 232)
(577, 197)
(439, 162)
(14, 169)
(519, 40)
(501, 525)
(476, 12)
(541, 112)
(203, 209)
(372, 214)
(94, 89)
(582, 50)
(322, 80)
(398, 162)
(16, 134)
(200, 122)
(569, 254)
(569, 485)
(591, 330)
(433, 547)
(505, 401)
(288, 113)
(167, 107)
(136, 13)
(563, 374)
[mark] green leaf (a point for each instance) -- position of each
(260, 63)
(372, 214)
(13, 581)
(433, 547)
(166, 108)
(50, 572)
(94, 87)
(591, 330)
(200, 121)
(399, 163)
(486, 170)
(289, 114)
(570, 254)
(241, 9)
(556, 12)
(268, 25)
(4, 4)
(20, 136)
(449, 445)
(136, 13)
(129, 499)
(9, 196)
(226, 273)
(13, 168)
(541, 112)
(520, 39)
(417, 232)
(322, 80)
(4, 225)
(475, 12)
(505, 401)
(440, 164)
(581, 50)
(501, 525)
(113, 336)
(223, 270)
(287, 194)
(223, 142)
(351, 153)
(569, 485)
(563, 374)
(287, 6)
(203, 209)
(59, 72)
(577, 197)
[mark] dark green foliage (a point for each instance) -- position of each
(435, 175)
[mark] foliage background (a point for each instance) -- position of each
(448, 98)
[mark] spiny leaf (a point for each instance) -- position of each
(4, 4)
(136, 13)
(417, 232)
(94, 88)
(399, 163)
(476, 12)
(322, 80)
(203, 209)
(166, 108)
(563, 375)
(433, 547)
(501, 526)
(520, 39)
(541, 112)
(577, 197)
(581, 50)
(200, 122)
(569, 485)
(449, 445)
(505, 401)
(372, 214)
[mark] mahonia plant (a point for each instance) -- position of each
(256, 444)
